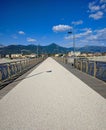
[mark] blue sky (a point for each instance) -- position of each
(48, 21)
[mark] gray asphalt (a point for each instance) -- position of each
(52, 98)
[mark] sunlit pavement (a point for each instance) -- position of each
(51, 98)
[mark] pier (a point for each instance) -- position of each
(52, 97)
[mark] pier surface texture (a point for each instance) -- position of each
(52, 98)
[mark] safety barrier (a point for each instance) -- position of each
(61, 59)
(94, 68)
(11, 70)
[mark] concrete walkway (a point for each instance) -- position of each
(52, 98)
(96, 84)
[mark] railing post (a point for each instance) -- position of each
(8, 70)
(65, 60)
(81, 65)
(62, 59)
(20, 66)
(75, 63)
(0, 76)
(87, 66)
(94, 68)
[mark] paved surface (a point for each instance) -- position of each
(52, 98)
(98, 85)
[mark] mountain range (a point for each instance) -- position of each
(49, 49)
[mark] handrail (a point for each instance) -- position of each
(11, 70)
(91, 67)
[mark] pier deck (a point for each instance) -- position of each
(52, 98)
(98, 85)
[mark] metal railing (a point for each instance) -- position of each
(94, 68)
(61, 59)
(12, 70)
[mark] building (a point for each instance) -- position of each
(31, 56)
(77, 53)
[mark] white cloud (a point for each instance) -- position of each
(61, 28)
(86, 33)
(102, 1)
(77, 22)
(89, 37)
(97, 9)
(21, 32)
(101, 30)
(98, 35)
(97, 15)
(103, 6)
(68, 37)
(93, 7)
(85, 29)
(101, 34)
(31, 40)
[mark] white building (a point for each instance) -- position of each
(76, 53)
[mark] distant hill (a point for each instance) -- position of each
(49, 49)
(1, 46)
(54, 48)
(92, 49)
